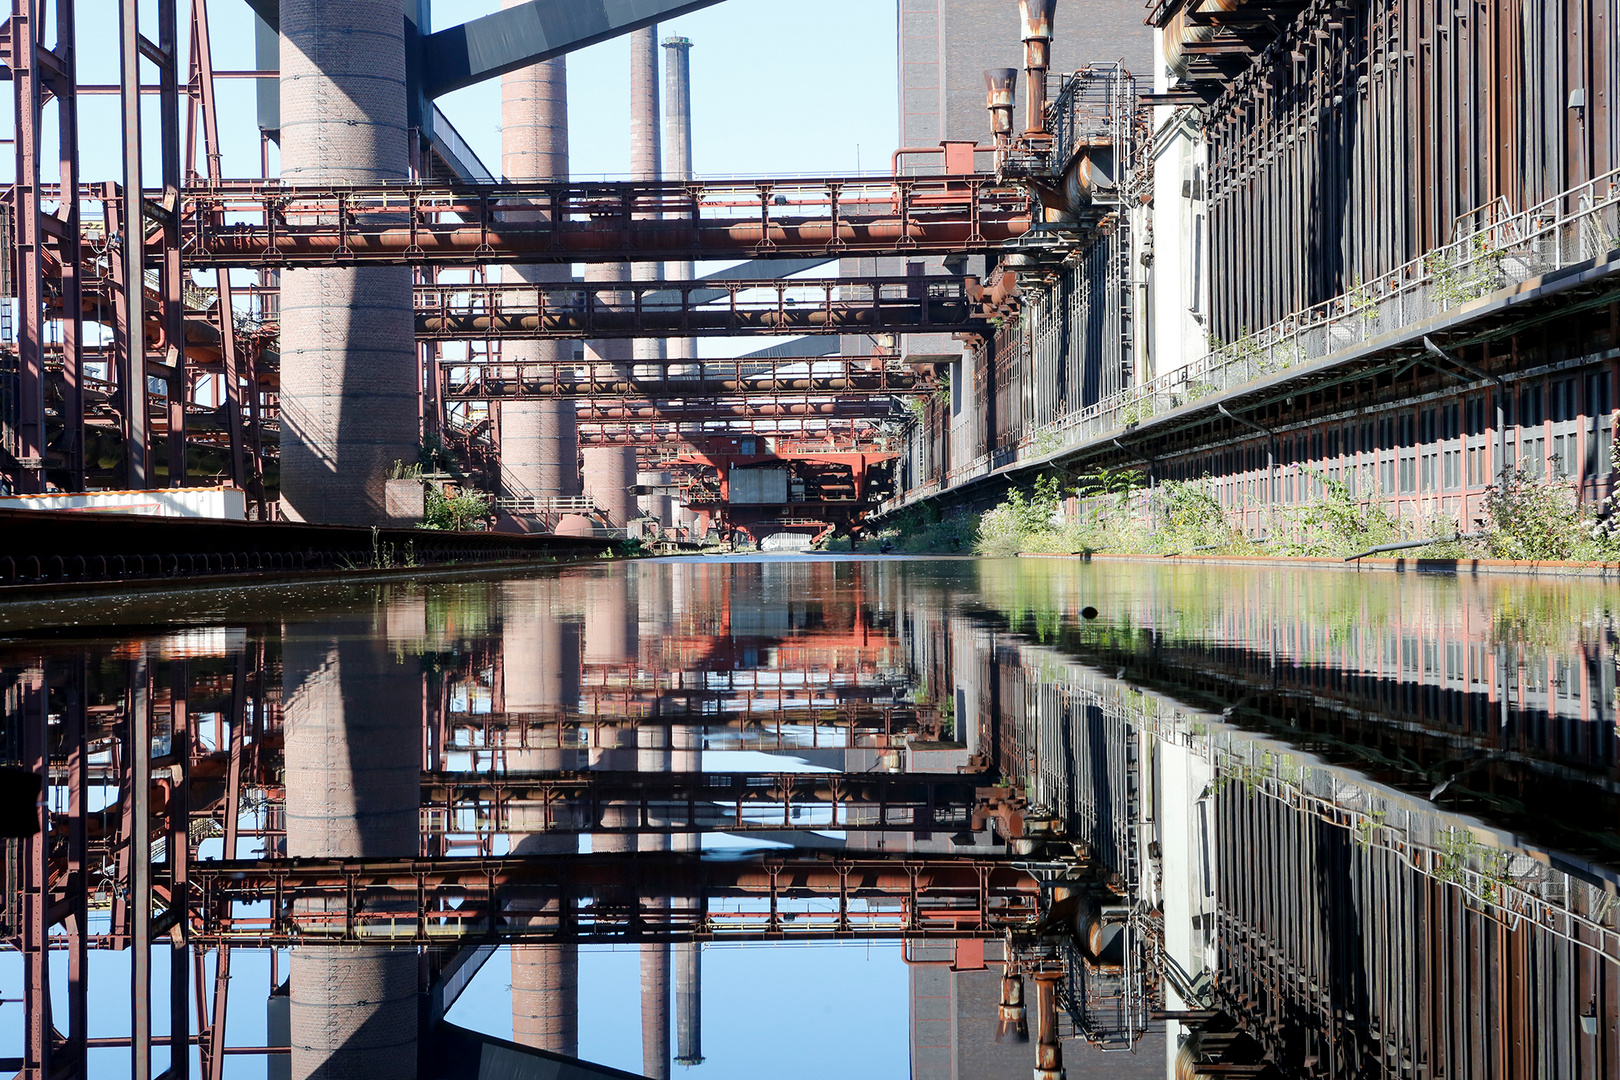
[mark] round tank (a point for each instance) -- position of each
(574, 525)
(610, 480)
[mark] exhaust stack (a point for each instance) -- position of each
(1036, 16)
(1011, 1017)
(1001, 95)
(1048, 1050)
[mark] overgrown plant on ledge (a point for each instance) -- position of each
(1336, 523)
(455, 513)
(1009, 527)
(1541, 520)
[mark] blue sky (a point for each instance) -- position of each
(777, 88)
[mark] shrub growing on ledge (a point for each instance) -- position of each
(456, 513)
(1337, 524)
(1014, 524)
(1540, 520)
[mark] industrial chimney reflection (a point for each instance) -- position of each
(540, 658)
(353, 768)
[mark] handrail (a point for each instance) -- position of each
(1499, 252)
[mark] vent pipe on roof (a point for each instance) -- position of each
(1036, 17)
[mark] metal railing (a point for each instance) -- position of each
(1500, 253)
(1498, 250)
(555, 504)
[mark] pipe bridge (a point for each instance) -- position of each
(603, 310)
(265, 223)
(606, 898)
(489, 379)
(657, 803)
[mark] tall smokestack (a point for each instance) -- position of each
(678, 164)
(539, 439)
(1036, 19)
(646, 152)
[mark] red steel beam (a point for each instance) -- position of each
(938, 305)
(620, 897)
(727, 410)
(488, 380)
(460, 224)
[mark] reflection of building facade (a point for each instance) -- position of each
(1303, 918)
(1237, 811)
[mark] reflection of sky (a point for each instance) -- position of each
(786, 1012)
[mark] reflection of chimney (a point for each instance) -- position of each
(353, 777)
(1001, 93)
(1036, 17)
(689, 1003)
(540, 655)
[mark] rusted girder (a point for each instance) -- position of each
(598, 310)
(461, 224)
(733, 409)
(846, 431)
(619, 897)
(487, 380)
(637, 802)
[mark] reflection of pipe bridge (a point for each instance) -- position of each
(487, 379)
(623, 309)
(605, 898)
(753, 407)
(656, 803)
(254, 224)
(846, 724)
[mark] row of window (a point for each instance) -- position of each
(1439, 448)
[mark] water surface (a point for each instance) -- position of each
(1344, 824)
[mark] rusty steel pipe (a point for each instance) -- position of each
(1011, 1016)
(1048, 1050)
(602, 241)
(1035, 18)
(1180, 31)
(1001, 98)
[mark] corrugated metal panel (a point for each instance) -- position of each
(759, 486)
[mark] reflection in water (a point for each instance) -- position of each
(352, 772)
(1243, 823)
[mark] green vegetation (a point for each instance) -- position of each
(1336, 523)
(1457, 279)
(1531, 519)
(456, 513)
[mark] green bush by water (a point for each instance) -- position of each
(1525, 519)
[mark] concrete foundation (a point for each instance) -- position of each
(348, 348)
